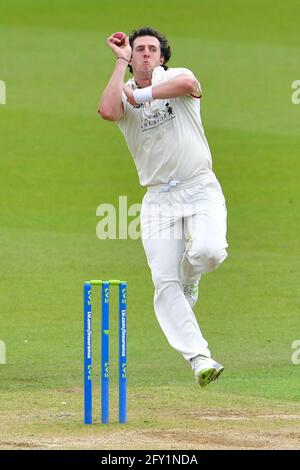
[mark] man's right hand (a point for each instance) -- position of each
(120, 51)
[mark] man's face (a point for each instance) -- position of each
(146, 55)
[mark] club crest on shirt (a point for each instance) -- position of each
(150, 120)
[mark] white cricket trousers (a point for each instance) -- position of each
(183, 229)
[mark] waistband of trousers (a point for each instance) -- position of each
(176, 185)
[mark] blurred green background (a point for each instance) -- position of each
(59, 161)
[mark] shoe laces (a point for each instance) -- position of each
(190, 289)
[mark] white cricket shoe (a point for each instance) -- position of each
(205, 369)
(191, 292)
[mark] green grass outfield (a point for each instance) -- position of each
(59, 161)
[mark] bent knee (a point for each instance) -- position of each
(208, 258)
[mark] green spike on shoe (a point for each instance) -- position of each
(205, 376)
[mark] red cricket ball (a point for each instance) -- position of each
(121, 37)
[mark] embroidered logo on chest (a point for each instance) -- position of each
(154, 117)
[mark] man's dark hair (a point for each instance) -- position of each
(164, 45)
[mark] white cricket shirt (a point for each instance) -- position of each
(166, 137)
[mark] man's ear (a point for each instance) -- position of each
(162, 60)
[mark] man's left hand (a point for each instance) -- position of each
(129, 94)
